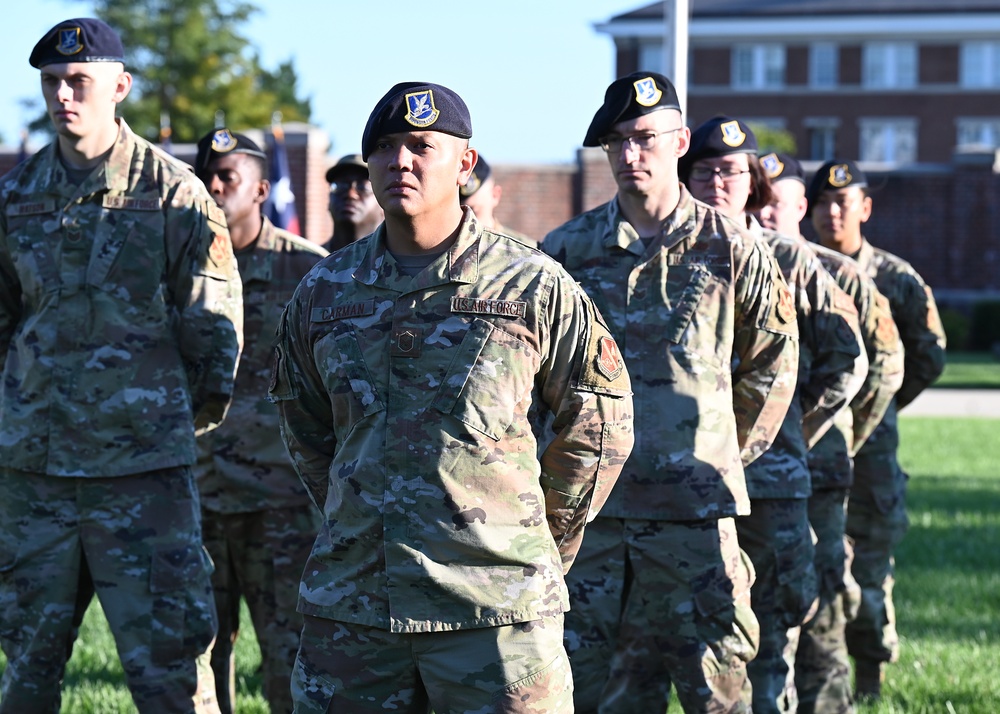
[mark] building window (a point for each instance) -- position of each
(981, 131)
(651, 57)
(823, 65)
(892, 141)
(822, 143)
(758, 67)
(889, 65)
(980, 65)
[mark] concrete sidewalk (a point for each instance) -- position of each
(983, 403)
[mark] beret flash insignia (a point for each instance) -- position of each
(772, 165)
(840, 176)
(646, 92)
(69, 41)
(223, 141)
(732, 135)
(420, 109)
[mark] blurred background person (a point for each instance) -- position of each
(482, 195)
(353, 207)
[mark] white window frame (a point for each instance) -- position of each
(890, 65)
(890, 140)
(757, 66)
(824, 65)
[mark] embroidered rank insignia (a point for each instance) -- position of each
(839, 176)
(732, 135)
(609, 359)
(405, 342)
(772, 165)
(69, 41)
(223, 141)
(646, 92)
(786, 308)
(420, 109)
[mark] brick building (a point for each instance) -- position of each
(886, 81)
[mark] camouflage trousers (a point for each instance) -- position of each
(260, 557)
(777, 539)
(655, 603)
(511, 669)
(136, 542)
(822, 667)
(877, 522)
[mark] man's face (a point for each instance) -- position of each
(837, 217)
(787, 207)
(645, 172)
(419, 172)
(484, 201)
(722, 182)
(236, 184)
(80, 97)
(351, 197)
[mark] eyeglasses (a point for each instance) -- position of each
(645, 141)
(702, 173)
(362, 186)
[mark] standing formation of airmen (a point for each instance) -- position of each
(457, 473)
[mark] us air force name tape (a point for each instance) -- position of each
(416, 106)
(628, 98)
(83, 39)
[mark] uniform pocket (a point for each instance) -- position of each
(490, 375)
(312, 691)
(184, 617)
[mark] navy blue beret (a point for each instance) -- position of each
(779, 167)
(220, 142)
(628, 98)
(834, 175)
(479, 176)
(416, 106)
(721, 136)
(83, 39)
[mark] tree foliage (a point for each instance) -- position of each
(190, 61)
(770, 139)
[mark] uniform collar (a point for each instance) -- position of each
(258, 264)
(619, 232)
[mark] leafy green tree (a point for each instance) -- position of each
(190, 61)
(770, 139)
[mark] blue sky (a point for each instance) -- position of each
(533, 72)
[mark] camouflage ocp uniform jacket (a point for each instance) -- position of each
(832, 367)
(120, 314)
(242, 465)
(410, 407)
(707, 325)
(830, 458)
(916, 316)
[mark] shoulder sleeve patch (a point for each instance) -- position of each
(781, 310)
(603, 368)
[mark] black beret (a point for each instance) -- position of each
(344, 163)
(416, 106)
(220, 142)
(84, 39)
(779, 167)
(480, 173)
(629, 97)
(833, 175)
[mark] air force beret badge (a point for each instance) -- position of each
(421, 111)
(646, 92)
(223, 141)
(69, 41)
(732, 135)
(840, 176)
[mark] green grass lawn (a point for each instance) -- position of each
(947, 590)
(970, 370)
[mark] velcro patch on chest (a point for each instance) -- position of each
(31, 208)
(481, 306)
(132, 203)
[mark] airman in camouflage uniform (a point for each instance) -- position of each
(661, 590)
(822, 669)
(413, 372)
(120, 319)
(258, 521)
(876, 512)
(722, 169)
